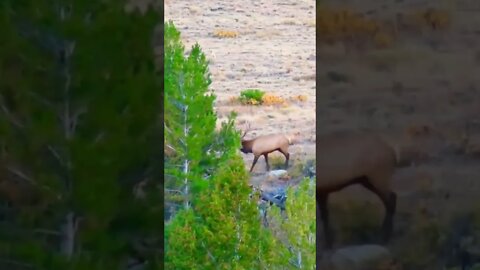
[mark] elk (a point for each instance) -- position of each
(354, 158)
(264, 145)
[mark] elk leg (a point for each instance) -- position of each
(283, 214)
(264, 218)
(389, 201)
(266, 161)
(322, 205)
(287, 157)
(255, 159)
(390, 206)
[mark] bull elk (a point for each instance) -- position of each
(354, 158)
(264, 145)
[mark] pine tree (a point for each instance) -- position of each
(222, 230)
(190, 119)
(79, 123)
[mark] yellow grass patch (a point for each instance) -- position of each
(383, 40)
(343, 25)
(301, 98)
(269, 99)
(222, 33)
(431, 18)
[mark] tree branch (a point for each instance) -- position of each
(75, 117)
(171, 148)
(10, 116)
(41, 99)
(21, 174)
(46, 231)
(16, 263)
(56, 155)
(99, 137)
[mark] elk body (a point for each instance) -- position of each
(355, 158)
(264, 145)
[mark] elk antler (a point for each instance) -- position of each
(246, 130)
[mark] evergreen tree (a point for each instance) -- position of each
(79, 123)
(190, 119)
(222, 230)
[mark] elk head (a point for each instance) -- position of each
(244, 148)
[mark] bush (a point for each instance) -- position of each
(297, 232)
(251, 96)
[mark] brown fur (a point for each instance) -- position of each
(266, 144)
(355, 158)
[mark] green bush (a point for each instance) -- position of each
(252, 96)
(297, 232)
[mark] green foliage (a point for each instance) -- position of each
(222, 229)
(297, 232)
(251, 96)
(80, 102)
(190, 119)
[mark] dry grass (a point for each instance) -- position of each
(425, 19)
(268, 100)
(310, 77)
(222, 33)
(351, 28)
(382, 40)
(355, 29)
(267, 34)
(290, 22)
(300, 98)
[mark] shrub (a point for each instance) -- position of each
(297, 232)
(252, 96)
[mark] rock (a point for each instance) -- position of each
(276, 197)
(276, 174)
(310, 171)
(363, 257)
